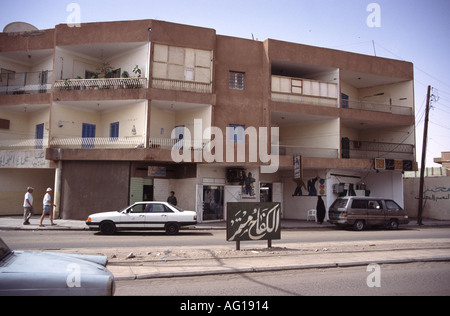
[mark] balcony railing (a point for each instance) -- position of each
(124, 142)
(181, 85)
(177, 144)
(287, 150)
(21, 144)
(97, 142)
(371, 150)
(304, 91)
(370, 106)
(102, 83)
(25, 82)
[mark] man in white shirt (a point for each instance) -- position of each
(28, 210)
(48, 207)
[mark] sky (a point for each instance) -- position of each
(410, 30)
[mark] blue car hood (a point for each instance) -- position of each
(48, 262)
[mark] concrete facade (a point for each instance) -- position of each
(113, 101)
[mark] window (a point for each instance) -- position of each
(114, 131)
(392, 206)
(237, 80)
(359, 204)
(138, 208)
(375, 205)
(182, 63)
(344, 101)
(157, 208)
(88, 136)
(39, 136)
(237, 133)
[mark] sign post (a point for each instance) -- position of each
(253, 221)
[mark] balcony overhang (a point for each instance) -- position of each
(138, 154)
(287, 162)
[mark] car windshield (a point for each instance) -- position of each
(4, 249)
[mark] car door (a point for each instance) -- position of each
(156, 215)
(375, 212)
(133, 217)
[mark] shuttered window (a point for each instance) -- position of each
(237, 80)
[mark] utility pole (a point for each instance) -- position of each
(424, 156)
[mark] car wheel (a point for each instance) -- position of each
(359, 225)
(172, 228)
(393, 224)
(107, 228)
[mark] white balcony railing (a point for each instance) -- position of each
(99, 84)
(177, 144)
(20, 144)
(98, 142)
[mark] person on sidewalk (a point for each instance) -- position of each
(321, 210)
(172, 199)
(28, 210)
(48, 208)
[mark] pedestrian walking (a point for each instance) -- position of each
(321, 210)
(48, 208)
(172, 199)
(28, 210)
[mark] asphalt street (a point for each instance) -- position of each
(416, 279)
(47, 240)
(306, 260)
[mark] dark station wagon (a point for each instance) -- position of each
(360, 212)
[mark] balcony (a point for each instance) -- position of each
(377, 107)
(304, 91)
(12, 83)
(371, 150)
(287, 150)
(181, 85)
(170, 143)
(23, 144)
(97, 142)
(100, 84)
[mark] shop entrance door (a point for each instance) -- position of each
(213, 202)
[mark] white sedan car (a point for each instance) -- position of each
(142, 216)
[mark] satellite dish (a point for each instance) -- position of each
(18, 27)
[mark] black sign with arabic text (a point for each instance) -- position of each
(253, 221)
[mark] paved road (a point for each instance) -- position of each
(37, 240)
(421, 279)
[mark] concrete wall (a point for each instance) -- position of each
(436, 197)
(93, 187)
(13, 186)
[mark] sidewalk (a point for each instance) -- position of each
(151, 262)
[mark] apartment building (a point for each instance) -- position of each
(112, 113)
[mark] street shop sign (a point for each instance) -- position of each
(251, 221)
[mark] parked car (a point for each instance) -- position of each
(26, 273)
(360, 212)
(143, 216)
